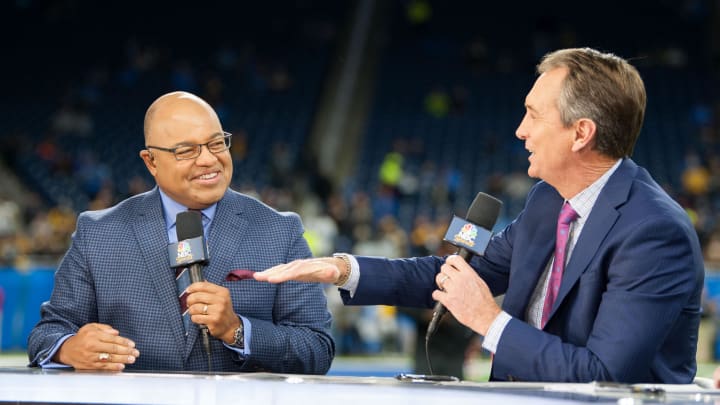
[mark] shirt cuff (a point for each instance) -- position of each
(354, 279)
(494, 333)
(47, 362)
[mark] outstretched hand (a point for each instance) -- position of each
(319, 270)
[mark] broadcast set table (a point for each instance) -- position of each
(23, 385)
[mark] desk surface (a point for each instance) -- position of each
(19, 385)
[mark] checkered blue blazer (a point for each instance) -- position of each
(117, 272)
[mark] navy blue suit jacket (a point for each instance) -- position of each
(628, 309)
(117, 272)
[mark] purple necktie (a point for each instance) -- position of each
(567, 215)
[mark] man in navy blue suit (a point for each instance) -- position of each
(618, 298)
(115, 302)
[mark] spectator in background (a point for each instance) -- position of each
(602, 272)
(73, 119)
(695, 177)
(240, 147)
(10, 226)
(437, 102)
(115, 300)
(391, 171)
(282, 162)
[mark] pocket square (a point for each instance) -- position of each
(239, 274)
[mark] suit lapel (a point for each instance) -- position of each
(151, 234)
(223, 238)
(602, 218)
(226, 233)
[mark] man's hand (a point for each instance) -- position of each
(97, 346)
(318, 270)
(465, 295)
(210, 305)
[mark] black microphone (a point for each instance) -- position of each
(471, 236)
(189, 228)
(191, 251)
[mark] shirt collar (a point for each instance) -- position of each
(171, 208)
(584, 201)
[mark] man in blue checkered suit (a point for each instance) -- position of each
(115, 302)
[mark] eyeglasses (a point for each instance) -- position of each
(193, 150)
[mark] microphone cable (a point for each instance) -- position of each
(427, 354)
(206, 343)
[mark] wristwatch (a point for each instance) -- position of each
(239, 337)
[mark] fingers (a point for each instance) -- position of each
(207, 293)
(448, 270)
(283, 272)
(211, 305)
(272, 272)
(716, 377)
(97, 333)
(441, 279)
(456, 263)
(109, 361)
(114, 351)
(103, 327)
(205, 287)
(319, 270)
(465, 294)
(455, 269)
(97, 347)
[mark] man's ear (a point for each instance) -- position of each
(149, 160)
(585, 130)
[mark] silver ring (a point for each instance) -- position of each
(104, 357)
(205, 310)
(443, 280)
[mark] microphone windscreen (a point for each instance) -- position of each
(188, 225)
(484, 211)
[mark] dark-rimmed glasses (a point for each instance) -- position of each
(192, 150)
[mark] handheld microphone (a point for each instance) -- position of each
(471, 236)
(191, 251)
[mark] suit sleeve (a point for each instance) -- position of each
(71, 305)
(298, 339)
(650, 280)
(399, 282)
(410, 282)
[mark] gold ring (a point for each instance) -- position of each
(205, 310)
(104, 357)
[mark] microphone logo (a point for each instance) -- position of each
(188, 251)
(184, 252)
(465, 234)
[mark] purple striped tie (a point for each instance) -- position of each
(182, 279)
(567, 215)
